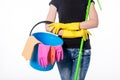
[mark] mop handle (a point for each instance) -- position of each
(79, 60)
(99, 4)
(81, 45)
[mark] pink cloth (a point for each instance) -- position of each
(43, 51)
(59, 53)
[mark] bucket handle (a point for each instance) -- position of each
(47, 22)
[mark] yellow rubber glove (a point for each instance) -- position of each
(74, 34)
(55, 27)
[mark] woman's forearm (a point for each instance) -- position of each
(89, 24)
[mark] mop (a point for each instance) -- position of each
(82, 41)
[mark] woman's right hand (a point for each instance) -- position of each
(48, 29)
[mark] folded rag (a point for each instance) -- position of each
(29, 47)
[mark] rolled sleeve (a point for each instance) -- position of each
(54, 2)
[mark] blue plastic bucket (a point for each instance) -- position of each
(47, 39)
(34, 61)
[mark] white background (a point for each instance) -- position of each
(17, 18)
